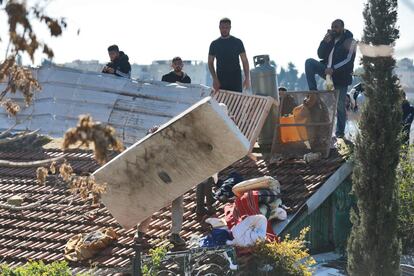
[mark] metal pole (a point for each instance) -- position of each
(136, 261)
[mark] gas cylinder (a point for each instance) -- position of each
(264, 83)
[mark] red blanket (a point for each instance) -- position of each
(246, 205)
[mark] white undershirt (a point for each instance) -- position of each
(331, 54)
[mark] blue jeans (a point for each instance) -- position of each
(313, 67)
(341, 111)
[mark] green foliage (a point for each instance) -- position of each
(345, 148)
(37, 269)
(294, 81)
(289, 78)
(373, 246)
(157, 255)
(289, 257)
(405, 181)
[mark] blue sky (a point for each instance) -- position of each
(160, 29)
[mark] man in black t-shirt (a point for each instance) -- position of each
(226, 50)
(177, 74)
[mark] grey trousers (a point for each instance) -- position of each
(177, 210)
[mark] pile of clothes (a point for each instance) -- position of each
(245, 234)
(249, 218)
(225, 188)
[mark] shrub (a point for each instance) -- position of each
(37, 269)
(405, 181)
(282, 258)
(157, 255)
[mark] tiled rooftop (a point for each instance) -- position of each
(41, 232)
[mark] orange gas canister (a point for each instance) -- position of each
(294, 133)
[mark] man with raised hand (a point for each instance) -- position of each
(337, 53)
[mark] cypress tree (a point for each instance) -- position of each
(373, 246)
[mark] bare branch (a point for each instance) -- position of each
(20, 208)
(17, 122)
(11, 164)
(11, 107)
(32, 205)
(7, 131)
(102, 136)
(7, 49)
(18, 137)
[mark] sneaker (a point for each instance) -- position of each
(141, 240)
(138, 237)
(176, 240)
(211, 211)
(201, 212)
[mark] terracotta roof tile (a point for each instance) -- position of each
(41, 233)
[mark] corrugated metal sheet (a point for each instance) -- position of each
(131, 106)
(330, 223)
(320, 223)
(342, 201)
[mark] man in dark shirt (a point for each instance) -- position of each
(119, 65)
(226, 50)
(177, 74)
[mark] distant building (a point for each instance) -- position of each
(405, 71)
(197, 70)
(85, 65)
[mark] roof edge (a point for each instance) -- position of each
(318, 197)
(329, 187)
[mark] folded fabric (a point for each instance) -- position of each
(217, 237)
(278, 213)
(216, 222)
(267, 196)
(265, 210)
(264, 182)
(246, 205)
(225, 187)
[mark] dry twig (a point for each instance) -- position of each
(11, 164)
(17, 122)
(85, 186)
(23, 40)
(87, 131)
(20, 79)
(41, 174)
(11, 107)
